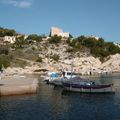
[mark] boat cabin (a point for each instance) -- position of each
(69, 74)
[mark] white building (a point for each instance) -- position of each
(10, 39)
(58, 32)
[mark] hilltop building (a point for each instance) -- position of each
(58, 32)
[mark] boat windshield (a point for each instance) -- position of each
(70, 73)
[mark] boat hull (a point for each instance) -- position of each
(89, 89)
(56, 81)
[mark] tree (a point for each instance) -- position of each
(7, 32)
(112, 48)
(39, 59)
(4, 61)
(35, 37)
(70, 36)
(55, 57)
(81, 39)
(4, 50)
(78, 45)
(70, 50)
(20, 42)
(100, 43)
(73, 43)
(90, 42)
(55, 39)
(68, 41)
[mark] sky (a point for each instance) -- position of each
(79, 17)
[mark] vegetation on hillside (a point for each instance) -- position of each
(35, 37)
(98, 48)
(7, 32)
(4, 61)
(55, 39)
(34, 45)
(4, 49)
(55, 57)
(20, 42)
(39, 59)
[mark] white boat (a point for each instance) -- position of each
(56, 80)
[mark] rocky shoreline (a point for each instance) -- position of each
(84, 65)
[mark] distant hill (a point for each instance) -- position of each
(40, 50)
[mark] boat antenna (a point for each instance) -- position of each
(71, 68)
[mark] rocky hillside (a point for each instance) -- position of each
(85, 55)
(56, 56)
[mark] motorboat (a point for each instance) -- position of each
(77, 84)
(57, 80)
(50, 77)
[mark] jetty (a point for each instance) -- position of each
(17, 85)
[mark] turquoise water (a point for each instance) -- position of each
(51, 103)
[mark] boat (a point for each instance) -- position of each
(78, 84)
(69, 74)
(56, 80)
(50, 77)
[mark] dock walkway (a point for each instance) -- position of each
(15, 85)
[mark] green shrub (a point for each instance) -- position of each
(55, 57)
(7, 32)
(35, 37)
(39, 59)
(98, 47)
(33, 48)
(5, 61)
(55, 39)
(70, 50)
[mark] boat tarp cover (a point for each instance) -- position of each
(54, 75)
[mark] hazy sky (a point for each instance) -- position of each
(79, 17)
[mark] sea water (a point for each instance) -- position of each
(51, 103)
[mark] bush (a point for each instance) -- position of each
(55, 57)
(7, 32)
(55, 39)
(68, 41)
(35, 37)
(33, 48)
(5, 61)
(98, 48)
(39, 59)
(70, 50)
(4, 50)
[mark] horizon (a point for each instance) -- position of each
(78, 17)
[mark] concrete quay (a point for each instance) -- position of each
(17, 85)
